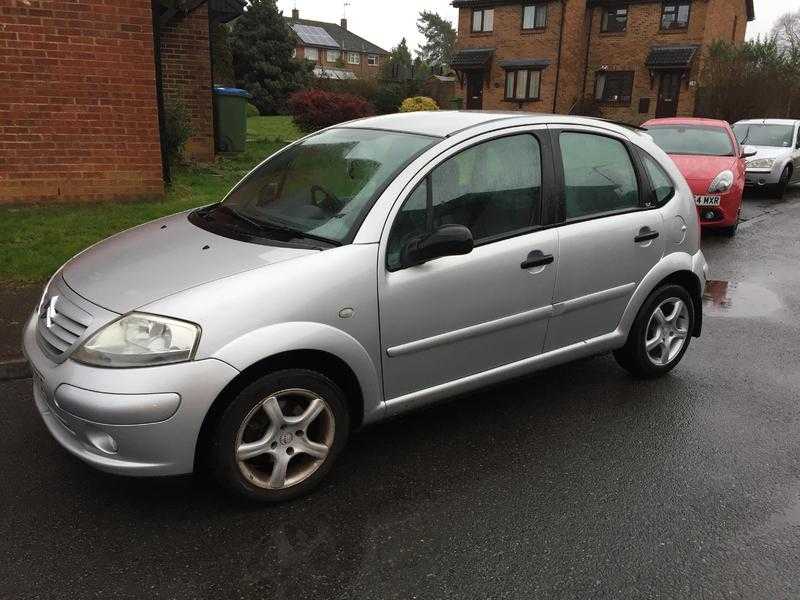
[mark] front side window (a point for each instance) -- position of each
(534, 16)
(494, 189)
(372, 60)
(663, 188)
(311, 54)
(333, 55)
(482, 20)
(758, 134)
(523, 84)
(694, 140)
(615, 20)
(675, 14)
(354, 58)
(614, 87)
(598, 175)
(323, 185)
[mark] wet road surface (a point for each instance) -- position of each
(576, 482)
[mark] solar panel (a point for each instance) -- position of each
(315, 36)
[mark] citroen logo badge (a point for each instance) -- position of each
(51, 312)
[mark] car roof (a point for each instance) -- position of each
(767, 121)
(687, 121)
(445, 123)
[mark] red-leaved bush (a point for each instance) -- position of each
(317, 109)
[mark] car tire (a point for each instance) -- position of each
(779, 189)
(635, 357)
(733, 229)
(279, 437)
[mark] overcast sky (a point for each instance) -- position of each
(385, 22)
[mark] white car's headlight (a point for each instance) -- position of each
(140, 340)
(760, 163)
(722, 183)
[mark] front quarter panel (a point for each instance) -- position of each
(293, 305)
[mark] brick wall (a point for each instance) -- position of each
(186, 68)
(78, 111)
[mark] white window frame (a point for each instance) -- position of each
(372, 60)
(314, 51)
(537, 9)
(333, 56)
(486, 23)
(353, 58)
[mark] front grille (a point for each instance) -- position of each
(62, 323)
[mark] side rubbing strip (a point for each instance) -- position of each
(469, 332)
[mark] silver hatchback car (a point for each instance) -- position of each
(364, 271)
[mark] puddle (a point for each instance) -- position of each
(738, 299)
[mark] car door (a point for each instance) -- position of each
(796, 154)
(458, 316)
(608, 241)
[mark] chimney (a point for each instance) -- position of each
(295, 14)
(344, 23)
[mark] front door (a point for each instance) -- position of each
(475, 90)
(607, 244)
(458, 316)
(669, 90)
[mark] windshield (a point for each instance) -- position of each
(322, 186)
(683, 139)
(758, 134)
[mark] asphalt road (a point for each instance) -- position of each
(578, 482)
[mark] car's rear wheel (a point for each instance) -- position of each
(780, 188)
(660, 334)
(279, 437)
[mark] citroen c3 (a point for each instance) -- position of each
(366, 270)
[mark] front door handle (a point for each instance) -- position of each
(645, 235)
(537, 259)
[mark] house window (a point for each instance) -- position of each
(333, 56)
(534, 16)
(523, 84)
(311, 54)
(615, 20)
(372, 60)
(675, 14)
(354, 58)
(482, 20)
(614, 87)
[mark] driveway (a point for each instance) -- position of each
(577, 482)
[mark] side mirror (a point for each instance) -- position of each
(448, 240)
(748, 151)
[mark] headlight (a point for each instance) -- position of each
(140, 340)
(760, 163)
(722, 183)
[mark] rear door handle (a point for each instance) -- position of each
(537, 259)
(645, 235)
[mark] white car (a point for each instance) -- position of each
(777, 161)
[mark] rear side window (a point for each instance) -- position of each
(598, 175)
(494, 189)
(663, 188)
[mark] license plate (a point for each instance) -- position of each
(707, 200)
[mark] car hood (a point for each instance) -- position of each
(770, 152)
(160, 258)
(702, 168)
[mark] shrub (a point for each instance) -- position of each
(389, 98)
(177, 129)
(365, 88)
(251, 110)
(418, 103)
(317, 109)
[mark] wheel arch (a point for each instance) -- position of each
(692, 284)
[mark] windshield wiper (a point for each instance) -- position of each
(273, 226)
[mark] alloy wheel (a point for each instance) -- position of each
(667, 331)
(284, 439)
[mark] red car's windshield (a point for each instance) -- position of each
(696, 140)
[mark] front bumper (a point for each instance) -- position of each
(756, 178)
(140, 422)
(724, 215)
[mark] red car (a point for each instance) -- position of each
(711, 160)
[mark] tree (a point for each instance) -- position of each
(262, 45)
(221, 56)
(440, 40)
(786, 31)
(399, 66)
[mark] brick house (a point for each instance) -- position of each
(637, 58)
(84, 83)
(336, 51)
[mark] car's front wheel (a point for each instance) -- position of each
(780, 188)
(660, 334)
(279, 437)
